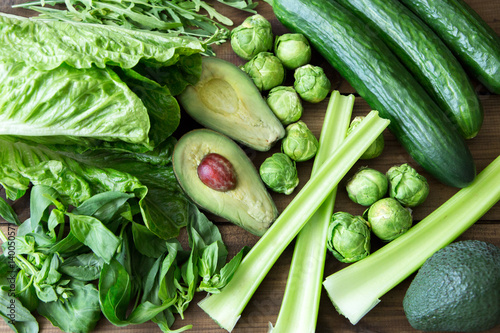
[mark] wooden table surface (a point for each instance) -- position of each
(388, 316)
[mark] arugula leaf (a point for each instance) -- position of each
(78, 313)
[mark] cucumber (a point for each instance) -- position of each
(472, 40)
(364, 60)
(427, 57)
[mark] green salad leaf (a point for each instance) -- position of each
(79, 313)
(47, 44)
(70, 106)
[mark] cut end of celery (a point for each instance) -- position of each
(350, 306)
(225, 321)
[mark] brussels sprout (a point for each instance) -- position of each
(299, 142)
(367, 186)
(285, 103)
(407, 186)
(375, 148)
(388, 219)
(253, 36)
(348, 237)
(266, 70)
(311, 83)
(279, 173)
(293, 50)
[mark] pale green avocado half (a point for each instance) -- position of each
(248, 205)
(226, 100)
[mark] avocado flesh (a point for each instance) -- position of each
(248, 205)
(226, 100)
(457, 289)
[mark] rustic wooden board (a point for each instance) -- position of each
(388, 316)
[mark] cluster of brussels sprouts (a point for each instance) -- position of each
(269, 59)
(389, 198)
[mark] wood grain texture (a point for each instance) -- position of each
(388, 316)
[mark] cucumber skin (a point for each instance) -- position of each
(472, 40)
(378, 76)
(427, 57)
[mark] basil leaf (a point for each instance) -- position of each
(40, 200)
(92, 232)
(17, 317)
(8, 213)
(79, 313)
(83, 267)
(146, 242)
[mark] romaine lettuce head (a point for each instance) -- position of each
(70, 106)
(46, 44)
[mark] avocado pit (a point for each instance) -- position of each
(216, 172)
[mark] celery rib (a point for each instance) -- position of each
(356, 289)
(226, 307)
(300, 306)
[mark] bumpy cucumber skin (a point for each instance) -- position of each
(378, 76)
(472, 40)
(427, 57)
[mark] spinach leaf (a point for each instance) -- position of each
(78, 313)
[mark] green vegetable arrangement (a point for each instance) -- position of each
(88, 134)
(192, 18)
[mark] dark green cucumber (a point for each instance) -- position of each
(472, 40)
(427, 57)
(363, 59)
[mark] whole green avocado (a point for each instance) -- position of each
(457, 289)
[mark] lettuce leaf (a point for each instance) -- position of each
(77, 177)
(71, 106)
(46, 44)
(22, 164)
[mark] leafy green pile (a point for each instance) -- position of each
(87, 113)
(180, 17)
(140, 276)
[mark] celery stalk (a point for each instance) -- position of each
(226, 307)
(299, 309)
(356, 289)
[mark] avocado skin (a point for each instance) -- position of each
(457, 289)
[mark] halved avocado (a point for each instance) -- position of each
(226, 100)
(247, 203)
